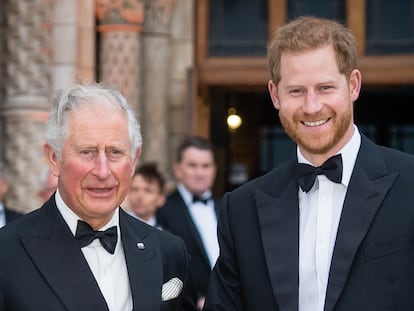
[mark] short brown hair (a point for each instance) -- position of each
(197, 142)
(149, 171)
(307, 33)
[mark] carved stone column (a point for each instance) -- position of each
(24, 110)
(120, 25)
(2, 56)
(2, 69)
(156, 55)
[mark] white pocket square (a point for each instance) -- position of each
(171, 289)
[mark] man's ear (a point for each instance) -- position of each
(135, 161)
(161, 201)
(177, 170)
(355, 80)
(273, 94)
(51, 159)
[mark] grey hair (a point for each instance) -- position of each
(76, 97)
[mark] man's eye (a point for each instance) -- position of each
(325, 88)
(296, 92)
(115, 152)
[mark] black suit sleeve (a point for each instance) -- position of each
(224, 287)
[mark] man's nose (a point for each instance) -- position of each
(312, 102)
(102, 169)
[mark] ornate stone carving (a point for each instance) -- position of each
(158, 14)
(28, 47)
(120, 15)
(27, 88)
(120, 24)
(120, 62)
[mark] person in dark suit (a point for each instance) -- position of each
(147, 193)
(191, 211)
(48, 184)
(80, 250)
(330, 230)
(6, 214)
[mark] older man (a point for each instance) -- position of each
(80, 250)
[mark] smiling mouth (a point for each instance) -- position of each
(315, 123)
(101, 190)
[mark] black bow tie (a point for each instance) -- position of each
(332, 169)
(199, 199)
(85, 234)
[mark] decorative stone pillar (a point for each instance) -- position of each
(24, 110)
(2, 57)
(156, 63)
(120, 25)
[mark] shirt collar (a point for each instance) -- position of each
(72, 219)
(152, 221)
(349, 153)
(188, 196)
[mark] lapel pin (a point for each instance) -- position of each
(140, 245)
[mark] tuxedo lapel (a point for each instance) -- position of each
(144, 263)
(366, 191)
(194, 234)
(59, 259)
(278, 213)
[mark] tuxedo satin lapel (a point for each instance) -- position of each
(185, 216)
(368, 186)
(144, 263)
(278, 210)
(59, 259)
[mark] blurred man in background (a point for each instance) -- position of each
(191, 212)
(48, 185)
(147, 193)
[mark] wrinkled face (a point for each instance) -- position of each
(196, 171)
(145, 197)
(96, 166)
(315, 101)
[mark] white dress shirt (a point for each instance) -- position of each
(205, 219)
(152, 221)
(320, 211)
(110, 270)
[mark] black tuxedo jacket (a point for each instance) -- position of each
(372, 266)
(42, 266)
(175, 218)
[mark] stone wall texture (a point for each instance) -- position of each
(144, 46)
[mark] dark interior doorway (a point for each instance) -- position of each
(259, 144)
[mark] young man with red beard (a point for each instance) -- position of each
(333, 228)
